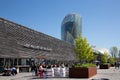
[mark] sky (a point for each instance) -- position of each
(100, 18)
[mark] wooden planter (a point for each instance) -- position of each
(104, 66)
(82, 72)
(112, 65)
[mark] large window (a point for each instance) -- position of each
(1, 61)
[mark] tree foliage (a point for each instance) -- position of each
(111, 60)
(119, 54)
(104, 58)
(83, 50)
(114, 51)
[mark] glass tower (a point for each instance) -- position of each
(71, 27)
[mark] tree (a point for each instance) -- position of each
(83, 50)
(119, 54)
(114, 52)
(111, 60)
(104, 57)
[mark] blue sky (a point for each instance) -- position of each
(100, 18)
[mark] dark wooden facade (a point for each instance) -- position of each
(17, 41)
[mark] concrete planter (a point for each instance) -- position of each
(82, 72)
(104, 66)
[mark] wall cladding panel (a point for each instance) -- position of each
(16, 36)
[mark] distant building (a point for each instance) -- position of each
(99, 52)
(71, 27)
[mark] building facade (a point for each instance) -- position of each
(19, 44)
(71, 27)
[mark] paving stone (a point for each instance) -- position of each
(102, 74)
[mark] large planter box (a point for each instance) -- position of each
(112, 65)
(104, 66)
(82, 72)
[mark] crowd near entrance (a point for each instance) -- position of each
(38, 67)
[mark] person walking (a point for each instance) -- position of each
(118, 65)
(33, 68)
(115, 64)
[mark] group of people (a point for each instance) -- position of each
(7, 71)
(41, 69)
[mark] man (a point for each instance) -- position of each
(13, 71)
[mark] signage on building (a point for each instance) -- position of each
(36, 47)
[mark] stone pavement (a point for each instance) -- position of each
(102, 74)
(111, 74)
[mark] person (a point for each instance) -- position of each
(118, 65)
(44, 74)
(40, 71)
(115, 64)
(5, 71)
(62, 65)
(36, 69)
(33, 68)
(13, 71)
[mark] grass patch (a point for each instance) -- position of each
(105, 63)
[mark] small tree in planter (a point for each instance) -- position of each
(84, 54)
(111, 60)
(104, 60)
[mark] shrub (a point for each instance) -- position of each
(84, 65)
(111, 60)
(105, 63)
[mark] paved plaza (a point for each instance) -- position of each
(102, 74)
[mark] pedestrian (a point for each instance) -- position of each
(40, 71)
(33, 68)
(115, 64)
(13, 71)
(36, 69)
(44, 74)
(118, 64)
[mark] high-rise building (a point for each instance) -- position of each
(71, 27)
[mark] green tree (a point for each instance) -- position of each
(111, 60)
(104, 57)
(83, 50)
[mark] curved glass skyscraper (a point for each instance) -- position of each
(71, 27)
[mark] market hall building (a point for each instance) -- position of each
(19, 45)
